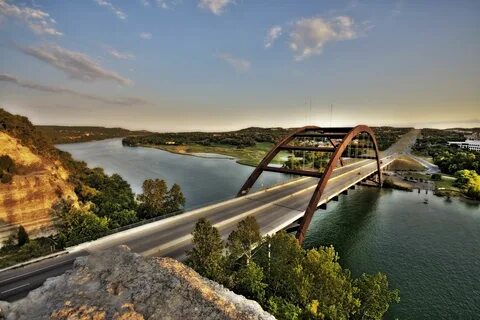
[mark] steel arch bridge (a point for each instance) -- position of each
(335, 144)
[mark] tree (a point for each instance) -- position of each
(279, 257)
(469, 182)
(206, 256)
(327, 286)
(249, 282)
(78, 224)
(22, 236)
(375, 296)
(152, 199)
(241, 241)
(175, 200)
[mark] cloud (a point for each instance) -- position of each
(124, 101)
(145, 3)
(272, 35)
(309, 35)
(75, 64)
(241, 65)
(146, 35)
(37, 20)
(119, 13)
(215, 6)
(119, 55)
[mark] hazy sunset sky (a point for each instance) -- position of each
(171, 65)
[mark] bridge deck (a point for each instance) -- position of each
(274, 209)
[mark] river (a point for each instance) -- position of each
(430, 251)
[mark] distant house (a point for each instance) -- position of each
(170, 142)
(473, 145)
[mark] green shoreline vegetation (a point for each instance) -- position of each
(105, 203)
(460, 168)
(287, 280)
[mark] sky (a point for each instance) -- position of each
(185, 65)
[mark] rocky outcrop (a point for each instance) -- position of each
(27, 200)
(118, 284)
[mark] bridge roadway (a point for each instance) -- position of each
(274, 208)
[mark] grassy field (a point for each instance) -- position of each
(406, 163)
(249, 156)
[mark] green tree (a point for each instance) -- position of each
(152, 199)
(77, 225)
(22, 236)
(175, 200)
(469, 182)
(282, 309)
(206, 256)
(279, 257)
(327, 283)
(375, 296)
(241, 241)
(249, 282)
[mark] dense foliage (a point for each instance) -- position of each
(287, 280)
(240, 139)
(65, 134)
(433, 140)
(469, 182)
(157, 200)
(386, 136)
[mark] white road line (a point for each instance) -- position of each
(23, 285)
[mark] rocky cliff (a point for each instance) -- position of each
(118, 284)
(38, 183)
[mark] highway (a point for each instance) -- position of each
(275, 209)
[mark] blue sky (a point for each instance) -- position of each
(173, 65)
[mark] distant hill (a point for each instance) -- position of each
(67, 134)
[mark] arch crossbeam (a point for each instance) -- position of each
(337, 142)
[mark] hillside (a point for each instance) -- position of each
(118, 285)
(66, 134)
(38, 179)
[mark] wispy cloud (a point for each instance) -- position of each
(146, 35)
(145, 3)
(75, 64)
(37, 20)
(119, 54)
(309, 35)
(215, 6)
(119, 13)
(272, 35)
(241, 65)
(124, 101)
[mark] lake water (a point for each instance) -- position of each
(203, 180)
(431, 252)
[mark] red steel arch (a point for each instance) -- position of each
(346, 134)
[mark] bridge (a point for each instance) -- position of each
(329, 161)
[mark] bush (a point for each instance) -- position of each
(22, 236)
(436, 177)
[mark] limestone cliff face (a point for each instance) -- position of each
(28, 198)
(118, 284)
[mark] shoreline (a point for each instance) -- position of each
(217, 156)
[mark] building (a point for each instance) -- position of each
(473, 145)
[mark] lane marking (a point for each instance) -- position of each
(23, 285)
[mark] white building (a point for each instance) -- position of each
(473, 145)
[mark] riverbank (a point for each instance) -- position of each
(249, 156)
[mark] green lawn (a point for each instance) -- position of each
(250, 156)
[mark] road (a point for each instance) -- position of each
(274, 208)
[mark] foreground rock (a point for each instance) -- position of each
(118, 284)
